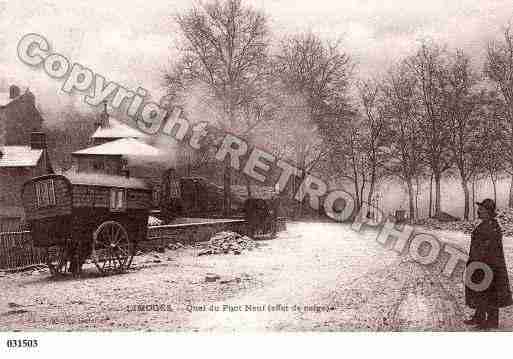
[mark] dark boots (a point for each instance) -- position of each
(492, 319)
(485, 318)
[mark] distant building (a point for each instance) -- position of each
(110, 129)
(19, 117)
(23, 153)
(121, 150)
(18, 164)
(116, 157)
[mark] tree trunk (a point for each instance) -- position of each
(438, 194)
(430, 195)
(494, 182)
(417, 190)
(466, 193)
(356, 192)
(473, 198)
(510, 200)
(369, 197)
(362, 191)
(357, 196)
(410, 199)
(301, 163)
(300, 206)
(227, 182)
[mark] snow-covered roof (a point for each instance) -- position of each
(123, 146)
(96, 179)
(117, 129)
(19, 156)
(5, 98)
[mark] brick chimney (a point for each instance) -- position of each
(29, 96)
(14, 91)
(104, 117)
(37, 140)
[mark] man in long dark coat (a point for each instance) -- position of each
(486, 247)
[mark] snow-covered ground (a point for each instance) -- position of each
(316, 276)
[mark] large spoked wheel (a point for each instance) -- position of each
(112, 250)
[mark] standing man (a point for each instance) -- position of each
(486, 247)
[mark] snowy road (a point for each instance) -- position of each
(330, 278)
(316, 276)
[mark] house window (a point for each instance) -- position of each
(45, 193)
(117, 199)
(98, 165)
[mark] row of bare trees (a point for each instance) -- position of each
(283, 101)
(439, 115)
(433, 114)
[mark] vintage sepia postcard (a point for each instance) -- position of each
(240, 166)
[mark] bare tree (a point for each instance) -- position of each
(492, 135)
(492, 163)
(427, 65)
(317, 72)
(349, 162)
(373, 132)
(460, 106)
(405, 149)
(290, 134)
(225, 49)
(499, 69)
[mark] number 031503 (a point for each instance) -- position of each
(22, 343)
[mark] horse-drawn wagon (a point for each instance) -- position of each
(81, 216)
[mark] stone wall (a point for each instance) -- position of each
(190, 233)
(193, 232)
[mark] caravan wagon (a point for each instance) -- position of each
(84, 216)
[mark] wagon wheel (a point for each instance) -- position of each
(56, 259)
(112, 249)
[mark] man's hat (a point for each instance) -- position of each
(488, 204)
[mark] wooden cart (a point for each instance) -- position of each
(76, 217)
(262, 216)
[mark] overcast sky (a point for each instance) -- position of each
(131, 41)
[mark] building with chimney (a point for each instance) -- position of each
(121, 150)
(23, 153)
(117, 157)
(19, 117)
(110, 129)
